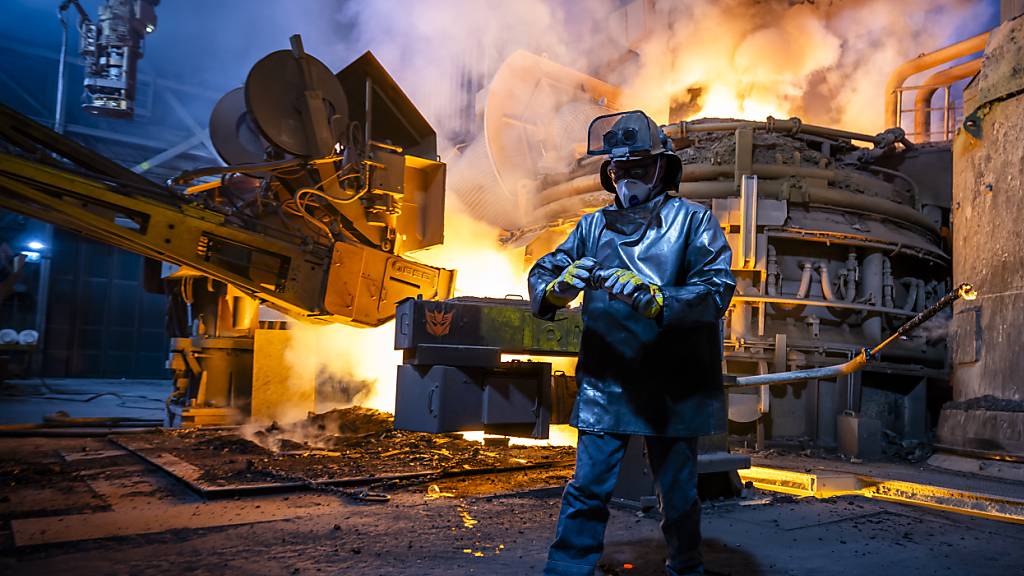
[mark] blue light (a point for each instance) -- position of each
(36, 245)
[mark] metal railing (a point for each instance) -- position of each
(924, 92)
(951, 109)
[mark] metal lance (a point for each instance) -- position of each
(965, 291)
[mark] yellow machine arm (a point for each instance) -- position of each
(317, 231)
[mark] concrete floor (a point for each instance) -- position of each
(87, 506)
(27, 401)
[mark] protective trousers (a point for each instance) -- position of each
(579, 539)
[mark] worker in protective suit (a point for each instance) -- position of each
(654, 269)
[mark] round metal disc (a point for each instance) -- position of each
(274, 95)
(233, 133)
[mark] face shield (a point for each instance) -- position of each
(624, 136)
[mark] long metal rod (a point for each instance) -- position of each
(858, 362)
(964, 290)
(43, 288)
(778, 125)
(58, 115)
(823, 303)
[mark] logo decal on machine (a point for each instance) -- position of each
(439, 322)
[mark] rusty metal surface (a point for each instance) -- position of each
(987, 237)
(504, 324)
(1001, 74)
(346, 447)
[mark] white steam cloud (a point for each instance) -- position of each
(826, 62)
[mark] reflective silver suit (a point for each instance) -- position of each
(660, 377)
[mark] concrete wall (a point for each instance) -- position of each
(988, 228)
(987, 336)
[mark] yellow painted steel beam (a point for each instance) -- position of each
(827, 484)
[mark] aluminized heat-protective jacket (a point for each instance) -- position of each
(655, 377)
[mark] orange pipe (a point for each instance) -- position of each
(922, 63)
(923, 99)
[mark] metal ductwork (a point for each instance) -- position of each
(535, 116)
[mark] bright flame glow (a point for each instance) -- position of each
(367, 355)
(484, 267)
(558, 435)
(967, 292)
(363, 357)
(742, 68)
(366, 358)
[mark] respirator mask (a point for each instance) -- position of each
(636, 181)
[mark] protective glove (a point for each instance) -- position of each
(570, 283)
(644, 297)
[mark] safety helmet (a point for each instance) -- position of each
(626, 136)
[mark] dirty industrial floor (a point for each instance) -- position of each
(87, 506)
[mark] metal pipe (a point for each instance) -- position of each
(29, 430)
(692, 173)
(58, 115)
(826, 282)
(795, 376)
(922, 63)
(832, 197)
(838, 304)
(574, 187)
(981, 454)
(871, 293)
(888, 286)
(702, 172)
(791, 126)
(772, 276)
(923, 98)
(852, 271)
(805, 281)
(947, 114)
(965, 291)
(572, 205)
(764, 396)
(911, 287)
(922, 300)
(774, 290)
(867, 204)
(711, 189)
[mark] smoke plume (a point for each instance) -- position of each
(826, 62)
